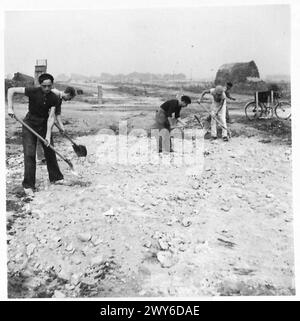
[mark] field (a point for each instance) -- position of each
(148, 229)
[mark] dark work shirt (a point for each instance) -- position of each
(58, 107)
(170, 107)
(40, 105)
(227, 93)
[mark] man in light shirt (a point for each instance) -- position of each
(218, 110)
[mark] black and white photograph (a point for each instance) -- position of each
(148, 152)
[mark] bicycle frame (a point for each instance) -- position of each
(269, 106)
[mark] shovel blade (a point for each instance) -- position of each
(80, 150)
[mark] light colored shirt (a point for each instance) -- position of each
(217, 98)
(57, 92)
(59, 95)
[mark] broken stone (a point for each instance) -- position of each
(195, 185)
(58, 294)
(157, 235)
(70, 248)
(84, 237)
(163, 244)
(96, 240)
(30, 249)
(64, 274)
(32, 283)
(186, 222)
(181, 197)
(142, 292)
(110, 212)
(56, 239)
(70, 287)
(166, 259)
(147, 244)
(27, 208)
(182, 247)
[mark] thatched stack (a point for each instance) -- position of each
(19, 80)
(22, 80)
(236, 73)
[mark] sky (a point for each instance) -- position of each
(193, 41)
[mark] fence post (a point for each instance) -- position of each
(100, 95)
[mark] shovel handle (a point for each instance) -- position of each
(218, 122)
(63, 133)
(41, 138)
(198, 120)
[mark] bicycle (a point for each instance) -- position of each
(265, 104)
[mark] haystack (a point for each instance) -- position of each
(236, 73)
(22, 80)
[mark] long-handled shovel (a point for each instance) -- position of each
(45, 143)
(199, 121)
(80, 150)
(218, 122)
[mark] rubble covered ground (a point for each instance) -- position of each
(149, 229)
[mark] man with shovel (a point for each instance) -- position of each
(40, 117)
(218, 110)
(66, 95)
(165, 121)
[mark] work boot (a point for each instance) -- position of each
(225, 139)
(29, 192)
(214, 138)
(58, 182)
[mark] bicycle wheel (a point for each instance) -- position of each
(283, 110)
(252, 111)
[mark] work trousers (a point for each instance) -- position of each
(39, 151)
(221, 118)
(227, 116)
(29, 148)
(162, 124)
